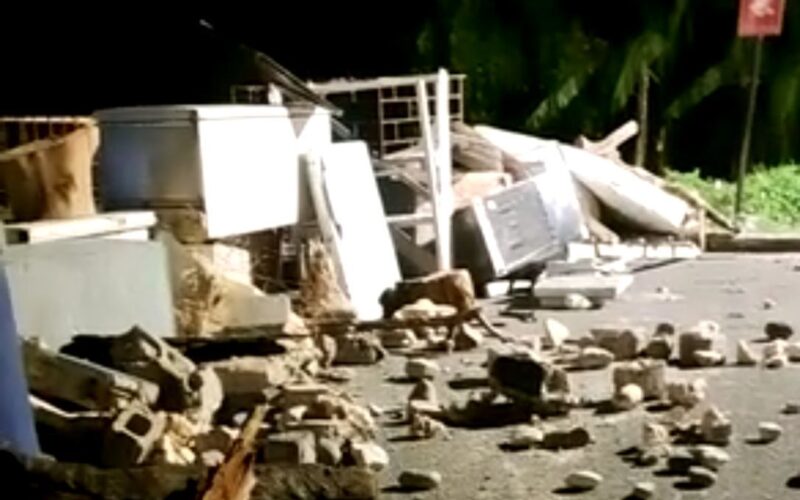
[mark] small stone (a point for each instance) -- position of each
(791, 409)
(425, 427)
(711, 457)
(519, 375)
(370, 455)
(769, 432)
(715, 427)
(577, 302)
(523, 438)
(649, 374)
(643, 490)
(420, 368)
(769, 304)
(329, 451)
(701, 476)
(705, 359)
(704, 336)
(212, 458)
(424, 390)
(680, 461)
(467, 337)
(648, 458)
(295, 447)
(555, 332)
(415, 479)
(775, 349)
(628, 397)
(654, 435)
(660, 347)
(793, 352)
(576, 437)
(584, 480)
(593, 358)
(624, 342)
(375, 410)
(745, 355)
(422, 407)
(776, 362)
(398, 339)
(778, 330)
(358, 349)
(687, 393)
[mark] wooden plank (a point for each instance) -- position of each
(81, 227)
(444, 166)
(409, 220)
(630, 251)
(754, 242)
(592, 286)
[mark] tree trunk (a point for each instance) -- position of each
(641, 140)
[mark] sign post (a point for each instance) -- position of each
(757, 19)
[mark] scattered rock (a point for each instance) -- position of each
(643, 490)
(467, 337)
(420, 368)
(715, 427)
(521, 375)
(711, 457)
(423, 309)
(328, 347)
(769, 304)
(555, 332)
(398, 339)
(584, 480)
(660, 347)
(375, 410)
(791, 409)
(769, 432)
(654, 435)
(624, 342)
(687, 393)
(628, 397)
(576, 437)
(680, 461)
(295, 447)
(577, 302)
(664, 329)
(369, 455)
(778, 330)
(523, 438)
(425, 427)
(646, 373)
(415, 479)
(745, 356)
(701, 476)
(424, 390)
(358, 349)
(211, 458)
(593, 358)
(775, 354)
(705, 336)
(793, 352)
(422, 407)
(705, 359)
(776, 362)
(329, 451)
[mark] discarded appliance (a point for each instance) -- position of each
(504, 232)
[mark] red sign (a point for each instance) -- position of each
(761, 17)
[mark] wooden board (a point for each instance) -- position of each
(353, 224)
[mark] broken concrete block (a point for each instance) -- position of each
(358, 349)
(654, 436)
(774, 354)
(467, 337)
(646, 373)
(369, 455)
(555, 333)
(132, 436)
(524, 376)
(420, 368)
(329, 451)
(625, 343)
(791, 409)
(424, 390)
(452, 289)
(61, 377)
(424, 309)
(687, 393)
(745, 356)
(701, 477)
(660, 347)
(425, 427)
(171, 450)
(776, 362)
(793, 352)
(419, 480)
(304, 394)
(397, 339)
(775, 330)
(253, 374)
(710, 457)
(769, 432)
(644, 490)
(628, 397)
(584, 480)
(705, 336)
(706, 359)
(593, 358)
(525, 437)
(294, 447)
(577, 302)
(576, 437)
(715, 427)
(74, 437)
